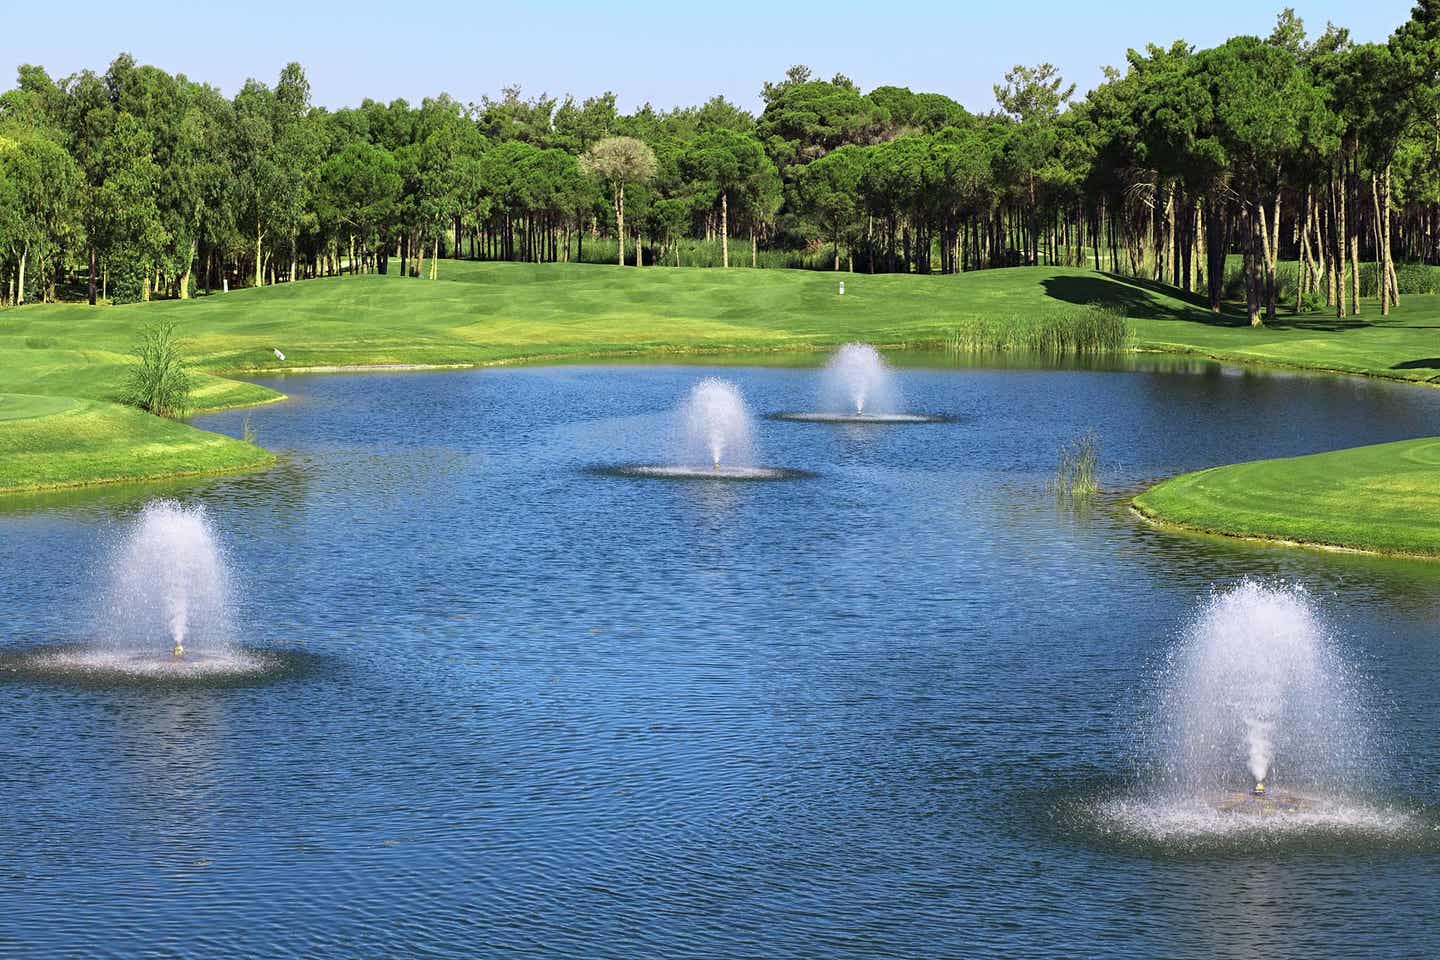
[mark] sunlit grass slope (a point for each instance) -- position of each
(484, 313)
(1383, 498)
(64, 441)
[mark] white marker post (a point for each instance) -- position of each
(842, 288)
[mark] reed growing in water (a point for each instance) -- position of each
(1076, 468)
(1082, 331)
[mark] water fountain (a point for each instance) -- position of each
(715, 439)
(165, 610)
(717, 429)
(168, 581)
(857, 386)
(1257, 680)
(1258, 724)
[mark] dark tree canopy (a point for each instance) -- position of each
(135, 183)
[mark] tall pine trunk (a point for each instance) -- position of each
(185, 277)
(1270, 248)
(1307, 268)
(1341, 234)
(620, 222)
(1390, 277)
(1215, 244)
(725, 229)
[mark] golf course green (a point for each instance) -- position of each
(64, 366)
(1381, 499)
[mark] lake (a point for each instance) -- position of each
(522, 706)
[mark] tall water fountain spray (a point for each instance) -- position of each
(857, 387)
(1260, 732)
(857, 381)
(716, 428)
(1257, 690)
(714, 440)
(169, 590)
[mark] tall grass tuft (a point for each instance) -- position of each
(1084, 331)
(159, 381)
(1076, 468)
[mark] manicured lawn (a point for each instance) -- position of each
(60, 441)
(487, 313)
(1383, 498)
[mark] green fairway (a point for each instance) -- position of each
(50, 442)
(1383, 498)
(480, 313)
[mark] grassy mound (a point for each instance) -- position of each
(48, 442)
(1383, 498)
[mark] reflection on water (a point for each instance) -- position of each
(532, 709)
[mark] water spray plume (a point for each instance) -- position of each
(1260, 728)
(857, 386)
(164, 610)
(1254, 675)
(715, 439)
(716, 427)
(858, 379)
(167, 602)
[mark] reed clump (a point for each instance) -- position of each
(159, 381)
(1077, 468)
(1092, 330)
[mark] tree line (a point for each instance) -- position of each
(136, 183)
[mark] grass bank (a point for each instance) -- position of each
(1380, 499)
(50, 442)
(480, 313)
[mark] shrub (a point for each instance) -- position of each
(1287, 280)
(159, 381)
(127, 280)
(1416, 278)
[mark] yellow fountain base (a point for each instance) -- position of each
(1261, 803)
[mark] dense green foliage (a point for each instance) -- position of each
(141, 184)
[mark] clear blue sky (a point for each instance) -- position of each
(667, 53)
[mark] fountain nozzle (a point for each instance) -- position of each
(179, 650)
(1259, 788)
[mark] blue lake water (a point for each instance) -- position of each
(525, 708)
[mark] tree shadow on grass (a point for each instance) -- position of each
(1429, 363)
(1137, 298)
(1147, 299)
